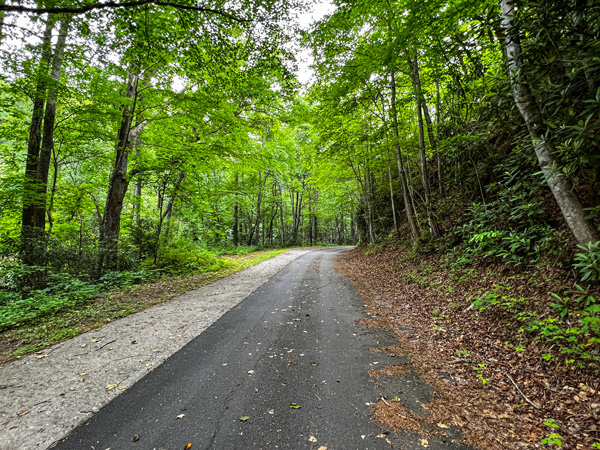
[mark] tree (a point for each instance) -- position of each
(567, 200)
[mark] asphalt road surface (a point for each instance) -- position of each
(294, 341)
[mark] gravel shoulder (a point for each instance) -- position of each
(45, 395)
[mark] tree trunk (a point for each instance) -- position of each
(137, 194)
(392, 201)
(29, 236)
(416, 79)
(236, 217)
(167, 212)
(408, 206)
(53, 190)
(438, 157)
(117, 186)
(282, 237)
(47, 145)
(315, 220)
(310, 235)
(567, 200)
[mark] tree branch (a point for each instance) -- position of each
(112, 4)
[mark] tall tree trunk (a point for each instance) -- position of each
(408, 205)
(47, 144)
(53, 190)
(236, 217)
(567, 200)
(315, 221)
(137, 193)
(282, 237)
(255, 229)
(118, 183)
(438, 157)
(416, 79)
(29, 236)
(368, 201)
(167, 213)
(392, 201)
(310, 235)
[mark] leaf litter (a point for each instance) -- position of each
(493, 415)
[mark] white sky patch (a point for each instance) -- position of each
(315, 13)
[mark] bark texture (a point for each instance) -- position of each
(47, 145)
(408, 206)
(110, 226)
(561, 188)
(32, 241)
(421, 107)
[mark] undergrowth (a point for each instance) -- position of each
(68, 306)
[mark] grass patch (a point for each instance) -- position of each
(46, 330)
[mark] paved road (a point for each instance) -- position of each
(293, 341)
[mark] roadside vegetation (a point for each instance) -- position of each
(69, 307)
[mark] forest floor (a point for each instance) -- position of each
(113, 305)
(44, 395)
(491, 380)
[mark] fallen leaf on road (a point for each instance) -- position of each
(83, 374)
(312, 439)
(272, 412)
(294, 405)
(96, 340)
(122, 387)
(181, 416)
(22, 413)
(110, 387)
(322, 447)
(314, 364)
(424, 442)
(187, 447)
(244, 418)
(441, 425)
(251, 372)
(136, 438)
(41, 356)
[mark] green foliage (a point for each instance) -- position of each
(588, 261)
(63, 292)
(494, 298)
(553, 438)
(479, 370)
(511, 227)
(577, 329)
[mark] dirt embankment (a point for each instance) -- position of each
(491, 378)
